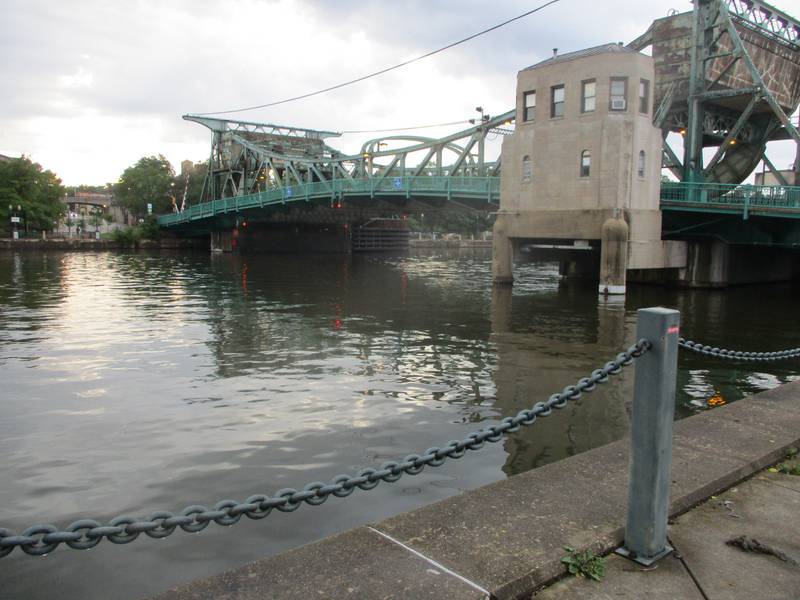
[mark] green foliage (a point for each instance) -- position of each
(71, 190)
(37, 192)
(150, 181)
(789, 469)
(130, 235)
(149, 230)
(786, 468)
(584, 564)
(95, 218)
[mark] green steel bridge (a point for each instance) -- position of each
(479, 193)
(733, 87)
(726, 211)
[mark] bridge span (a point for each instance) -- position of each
(581, 164)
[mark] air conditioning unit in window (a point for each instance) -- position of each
(618, 104)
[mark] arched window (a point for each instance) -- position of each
(527, 169)
(586, 163)
(640, 170)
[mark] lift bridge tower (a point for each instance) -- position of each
(727, 77)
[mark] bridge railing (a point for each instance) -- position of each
(744, 196)
(483, 188)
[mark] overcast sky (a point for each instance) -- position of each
(90, 87)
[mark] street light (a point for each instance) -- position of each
(483, 117)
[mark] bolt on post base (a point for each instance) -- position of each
(645, 561)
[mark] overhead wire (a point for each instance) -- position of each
(389, 130)
(387, 69)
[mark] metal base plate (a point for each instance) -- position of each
(644, 560)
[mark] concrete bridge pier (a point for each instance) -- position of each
(613, 256)
(222, 241)
(717, 264)
(502, 257)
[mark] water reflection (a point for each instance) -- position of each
(135, 382)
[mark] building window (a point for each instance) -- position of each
(619, 93)
(557, 101)
(586, 163)
(644, 96)
(527, 169)
(641, 163)
(528, 105)
(588, 95)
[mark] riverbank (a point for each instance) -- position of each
(505, 540)
(73, 244)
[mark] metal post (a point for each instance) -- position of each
(651, 437)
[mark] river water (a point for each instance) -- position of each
(141, 382)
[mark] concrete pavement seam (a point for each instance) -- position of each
(432, 562)
(780, 485)
(679, 556)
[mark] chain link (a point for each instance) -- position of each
(736, 354)
(86, 533)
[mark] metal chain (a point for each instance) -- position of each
(736, 354)
(87, 533)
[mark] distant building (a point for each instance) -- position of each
(769, 178)
(3, 157)
(82, 205)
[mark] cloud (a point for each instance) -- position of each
(98, 84)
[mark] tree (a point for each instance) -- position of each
(37, 193)
(95, 218)
(96, 189)
(149, 181)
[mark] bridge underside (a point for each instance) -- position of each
(731, 228)
(352, 211)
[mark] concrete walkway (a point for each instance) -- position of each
(704, 567)
(505, 540)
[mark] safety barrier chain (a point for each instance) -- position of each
(87, 533)
(736, 354)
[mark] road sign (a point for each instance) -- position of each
(398, 183)
(15, 219)
(149, 209)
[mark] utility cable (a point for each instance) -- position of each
(387, 69)
(465, 121)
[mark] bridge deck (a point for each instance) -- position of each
(746, 200)
(483, 189)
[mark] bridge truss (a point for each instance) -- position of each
(249, 158)
(737, 85)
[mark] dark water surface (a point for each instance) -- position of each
(141, 382)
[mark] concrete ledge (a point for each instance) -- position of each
(506, 538)
(74, 244)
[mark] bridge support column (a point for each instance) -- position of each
(613, 256)
(222, 241)
(502, 258)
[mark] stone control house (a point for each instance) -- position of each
(581, 174)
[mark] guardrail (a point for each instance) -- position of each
(483, 188)
(649, 483)
(782, 200)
